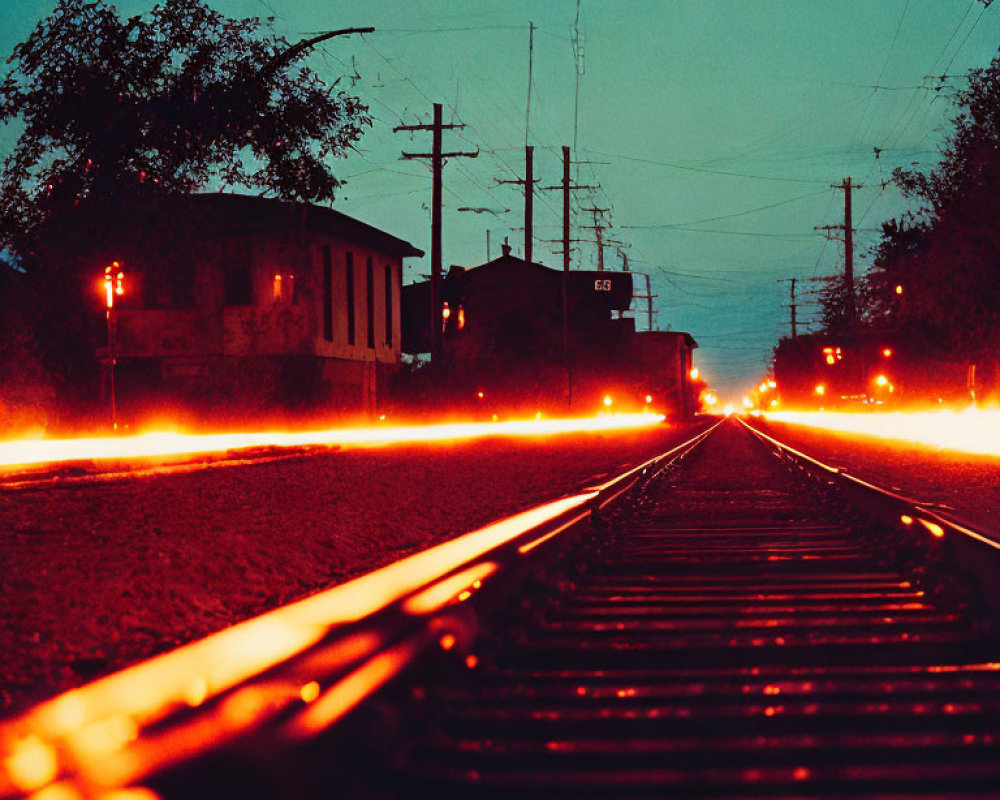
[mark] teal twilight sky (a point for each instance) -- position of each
(714, 130)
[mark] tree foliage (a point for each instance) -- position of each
(945, 254)
(112, 109)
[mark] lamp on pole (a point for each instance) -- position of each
(114, 279)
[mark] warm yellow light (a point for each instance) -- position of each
(830, 359)
(747, 402)
(607, 400)
(480, 395)
(40, 451)
(695, 372)
(973, 430)
(772, 384)
(445, 311)
(774, 404)
(649, 399)
(886, 351)
(881, 380)
(820, 389)
(729, 409)
(31, 764)
(762, 388)
(899, 288)
(711, 399)
(309, 692)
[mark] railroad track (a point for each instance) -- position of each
(730, 620)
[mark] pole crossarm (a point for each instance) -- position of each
(425, 127)
(407, 156)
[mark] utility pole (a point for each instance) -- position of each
(566, 187)
(437, 162)
(528, 182)
(848, 230)
(531, 58)
(648, 297)
(598, 229)
(792, 304)
(849, 248)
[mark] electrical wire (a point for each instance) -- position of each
(728, 173)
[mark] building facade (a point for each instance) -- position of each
(261, 304)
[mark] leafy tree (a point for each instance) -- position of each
(949, 261)
(162, 103)
(117, 117)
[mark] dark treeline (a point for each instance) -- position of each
(934, 287)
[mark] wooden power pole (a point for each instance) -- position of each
(566, 187)
(528, 182)
(848, 229)
(437, 162)
(792, 305)
(598, 229)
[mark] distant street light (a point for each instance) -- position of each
(114, 279)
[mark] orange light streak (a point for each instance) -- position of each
(439, 594)
(153, 689)
(27, 452)
(971, 431)
(347, 693)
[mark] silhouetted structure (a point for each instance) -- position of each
(262, 303)
(503, 337)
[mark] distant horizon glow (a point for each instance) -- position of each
(33, 452)
(973, 430)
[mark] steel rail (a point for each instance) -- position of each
(976, 551)
(295, 670)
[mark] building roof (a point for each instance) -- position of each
(689, 340)
(508, 269)
(239, 212)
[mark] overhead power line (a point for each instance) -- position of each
(687, 168)
(667, 225)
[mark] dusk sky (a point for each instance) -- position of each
(714, 130)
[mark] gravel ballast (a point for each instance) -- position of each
(966, 485)
(99, 574)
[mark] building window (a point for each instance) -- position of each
(283, 288)
(350, 298)
(370, 301)
(388, 305)
(238, 286)
(327, 294)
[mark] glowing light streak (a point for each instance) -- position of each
(28, 452)
(347, 693)
(444, 591)
(971, 431)
(153, 689)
